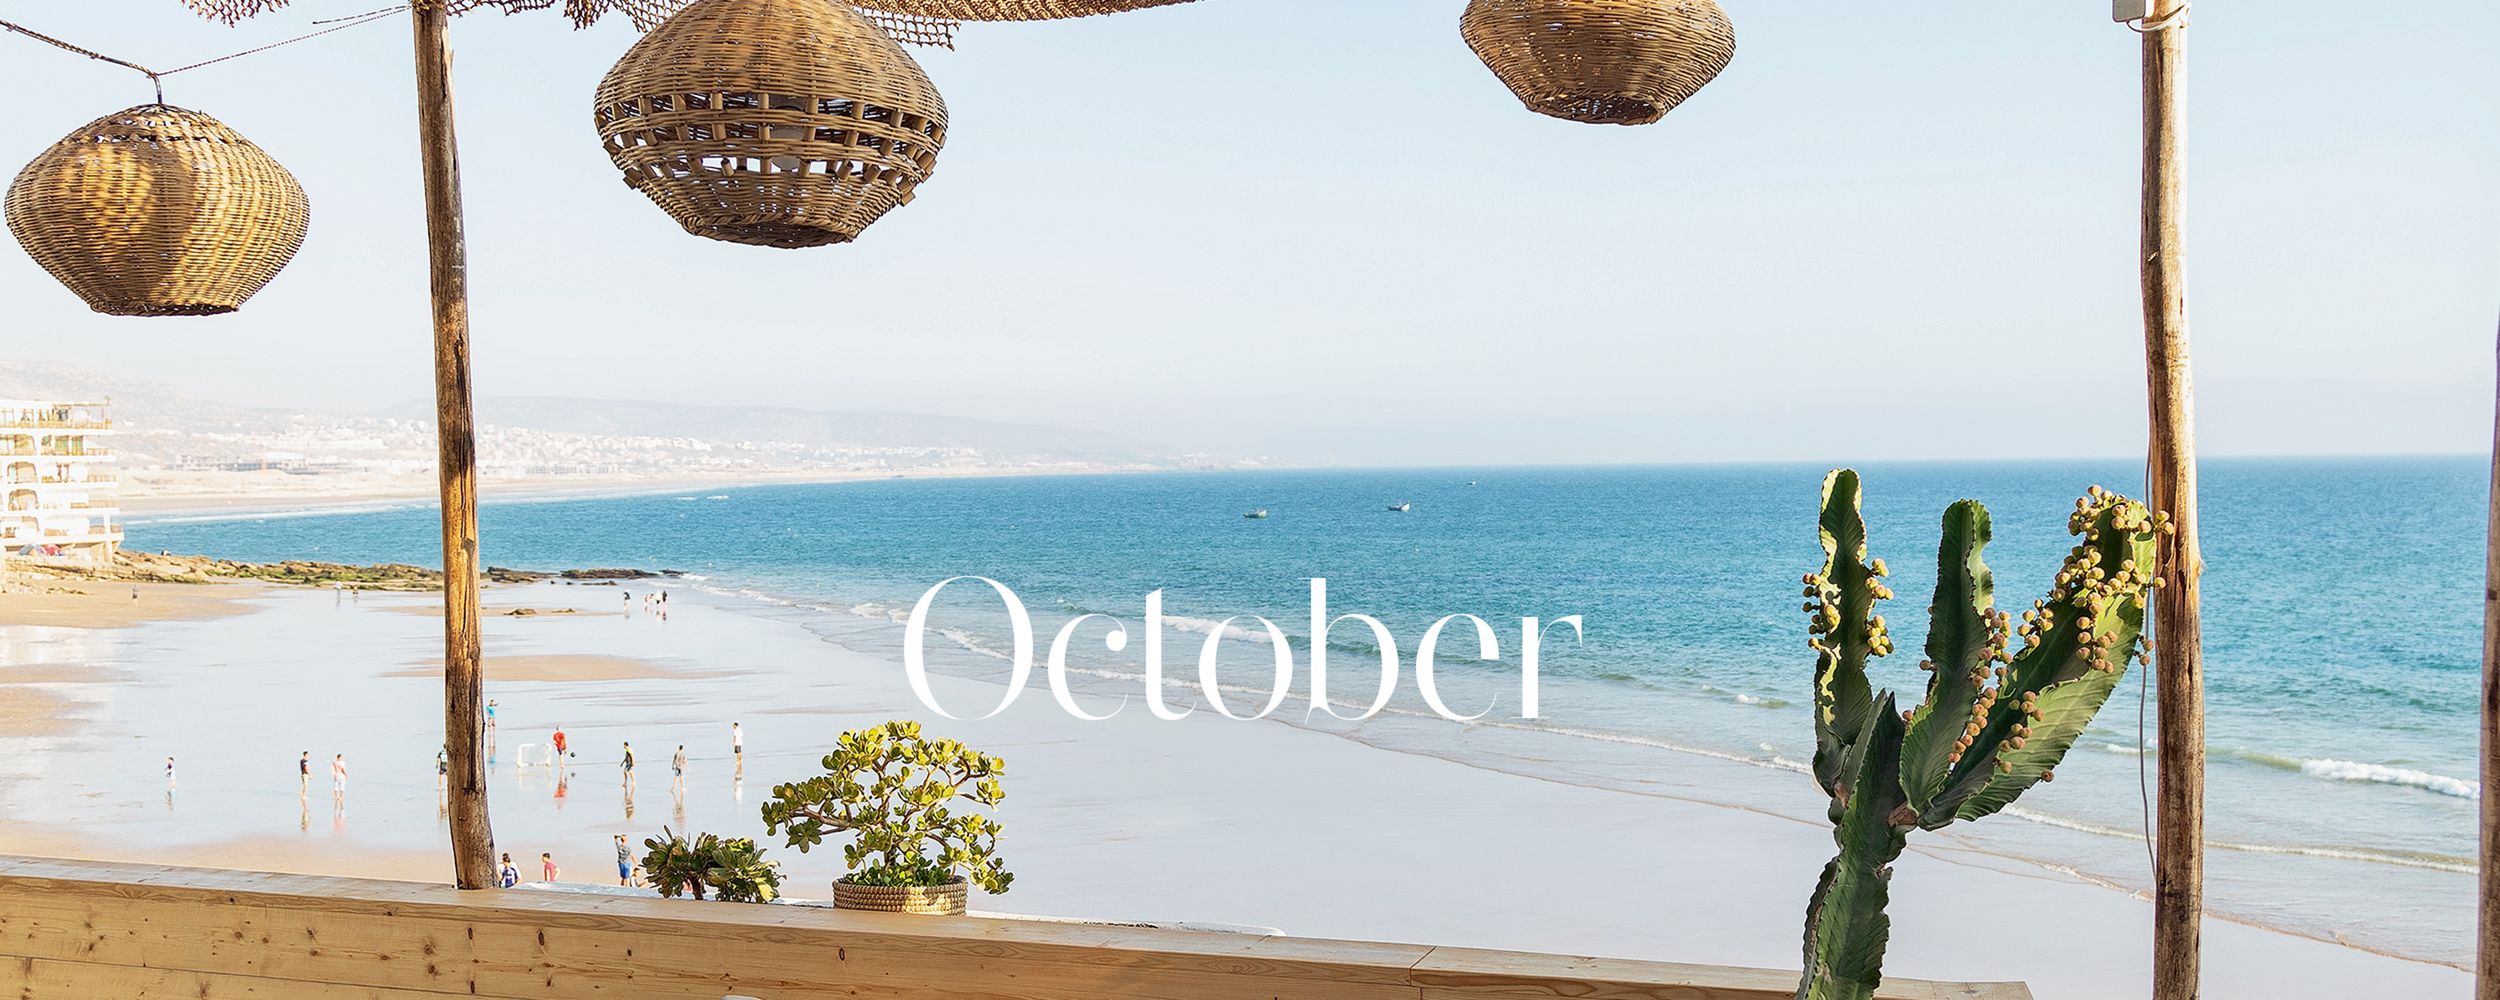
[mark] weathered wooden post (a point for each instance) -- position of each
(455, 433)
(2487, 947)
(2179, 841)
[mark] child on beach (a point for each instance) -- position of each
(490, 720)
(547, 866)
(559, 742)
(624, 862)
(507, 876)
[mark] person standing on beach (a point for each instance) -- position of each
(677, 768)
(490, 720)
(169, 774)
(547, 866)
(442, 769)
(338, 777)
(559, 742)
(629, 760)
(624, 862)
(303, 775)
(738, 743)
(507, 876)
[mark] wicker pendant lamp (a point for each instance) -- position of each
(779, 123)
(1604, 62)
(158, 211)
(1012, 10)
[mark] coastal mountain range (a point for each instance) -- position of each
(165, 426)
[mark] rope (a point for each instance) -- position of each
(157, 77)
(2176, 19)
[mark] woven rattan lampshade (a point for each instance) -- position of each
(780, 123)
(1604, 62)
(158, 211)
(1013, 10)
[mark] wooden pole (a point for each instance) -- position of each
(464, 687)
(2179, 840)
(2487, 952)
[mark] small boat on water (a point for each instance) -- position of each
(1401, 506)
(1471, 482)
(1257, 515)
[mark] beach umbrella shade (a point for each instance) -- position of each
(780, 123)
(159, 211)
(1602, 62)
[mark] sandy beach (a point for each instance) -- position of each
(111, 604)
(1206, 819)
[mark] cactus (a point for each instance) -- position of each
(2004, 702)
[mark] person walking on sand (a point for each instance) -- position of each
(338, 776)
(490, 720)
(677, 768)
(738, 743)
(169, 774)
(559, 743)
(629, 760)
(624, 862)
(303, 774)
(442, 769)
(547, 866)
(507, 876)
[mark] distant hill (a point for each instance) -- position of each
(812, 428)
(169, 426)
(136, 402)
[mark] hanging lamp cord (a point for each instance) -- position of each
(2176, 19)
(157, 77)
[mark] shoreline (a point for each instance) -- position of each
(1941, 846)
(1186, 799)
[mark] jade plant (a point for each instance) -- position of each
(732, 868)
(897, 793)
(2006, 698)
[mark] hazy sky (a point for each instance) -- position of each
(1320, 229)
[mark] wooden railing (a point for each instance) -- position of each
(78, 929)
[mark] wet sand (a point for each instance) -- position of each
(108, 604)
(562, 667)
(1204, 819)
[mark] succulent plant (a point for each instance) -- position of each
(732, 868)
(2005, 699)
(895, 791)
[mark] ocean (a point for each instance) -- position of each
(2340, 597)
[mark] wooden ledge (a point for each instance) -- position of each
(88, 929)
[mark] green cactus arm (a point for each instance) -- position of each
(1845, 630)
(2073, 658)
(1964, 636)
(1846, 927)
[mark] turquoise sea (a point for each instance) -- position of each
(2341, 598)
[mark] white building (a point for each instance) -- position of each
(56, 476)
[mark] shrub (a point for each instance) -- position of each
(895, 791)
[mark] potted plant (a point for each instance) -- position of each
(734, 869)
(895, 791)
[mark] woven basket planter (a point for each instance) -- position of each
(943, 901)
(1604, 62)
(779, 123)
(159, 211)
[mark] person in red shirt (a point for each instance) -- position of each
(559, 742)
